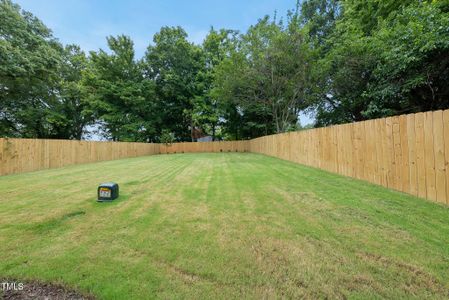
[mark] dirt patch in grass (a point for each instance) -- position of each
(39, 291)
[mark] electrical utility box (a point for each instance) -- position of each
(107, 191)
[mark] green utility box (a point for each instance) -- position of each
(107, 191)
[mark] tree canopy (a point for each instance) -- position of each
(340, 60)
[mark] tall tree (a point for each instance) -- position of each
(266, 75)
(173, 64)
(29, 61)
(121, 99)
(70, 115)
(209, 108)
(382, 58)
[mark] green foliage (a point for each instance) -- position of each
(119, 95)
(414, 62)
(29, 61)
(173, 64)
(167, 137)
(209, 108)
(381, 58)
(40, 81)
(72, 116)
(345, 60)
(265, 77)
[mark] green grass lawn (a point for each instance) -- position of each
(225, 225)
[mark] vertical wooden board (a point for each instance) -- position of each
(36, 147)
(361, 149)
(446, 147)
(340, 155)
(21, 163)
(17, 146)
(308, 148)
(3, 158)
(429, 156)
(357, 151)
(397, 153)
(347, 150)
(92, 153)
(325, 148)
(6, 156)
(241, 146)
(293, 147)
(13, 152)
(411, 143)
(314, 153)
(328, 147)
(47, 156)
(335, 132)
(40, 154)
(320, 162)
(51, 154)
(420, 155)
(296, 146)
(302, 147)
(439, 153)
(378, 153)
(366, 153)
(405, 168)
(283, 148)
(389, 153)
(342, 169)
(26, 157)
(383, 157)
(370, 162)
(333, 154)
(2, 161)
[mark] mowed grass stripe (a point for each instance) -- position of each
(224, 225)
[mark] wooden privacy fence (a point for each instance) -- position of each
(25, 155)
(408, 153)
(222, 146)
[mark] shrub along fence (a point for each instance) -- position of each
(408, 153)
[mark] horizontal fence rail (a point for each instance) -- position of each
(408, 153)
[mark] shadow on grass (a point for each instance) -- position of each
(120, 199)
(45, 227)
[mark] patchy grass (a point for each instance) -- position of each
(221, 226)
